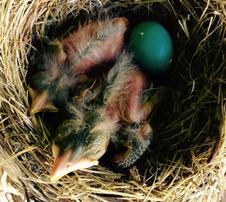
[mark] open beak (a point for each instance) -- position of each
(40, 102)
(63, 165)
(122, 155)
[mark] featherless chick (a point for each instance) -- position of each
(63, 66)
(82, 140)
(133, 102)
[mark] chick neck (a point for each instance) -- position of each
(108, 123)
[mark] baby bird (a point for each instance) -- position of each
(64, 64)
(134, 104)
(82, 140)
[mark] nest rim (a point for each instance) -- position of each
(26, 162)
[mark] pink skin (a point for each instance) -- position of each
(124, 103)
(90, 46)
(129, 107)
(104, 50)
(135, 110)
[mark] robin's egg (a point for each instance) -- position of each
(152, 46)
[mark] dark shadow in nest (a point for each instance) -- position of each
(180, 116)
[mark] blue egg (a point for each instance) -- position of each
(153, 46)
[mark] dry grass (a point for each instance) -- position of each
(188, 159)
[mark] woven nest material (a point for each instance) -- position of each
(187, 159)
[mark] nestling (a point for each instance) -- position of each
(82, 140)
(63, 66)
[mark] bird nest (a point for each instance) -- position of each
(186, 160)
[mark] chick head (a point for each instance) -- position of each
(135, 138)
(50, 85)
(77, 146)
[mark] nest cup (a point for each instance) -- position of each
(186, 160)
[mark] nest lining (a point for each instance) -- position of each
(186, 162)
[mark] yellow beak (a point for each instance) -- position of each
(40, 102)
(63, 165)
